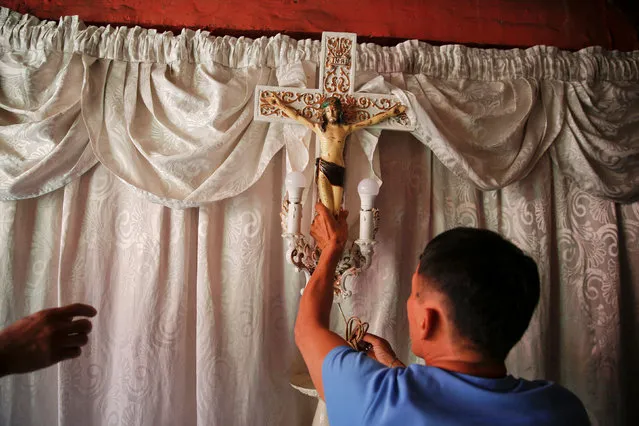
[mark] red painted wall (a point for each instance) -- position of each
(569, 24)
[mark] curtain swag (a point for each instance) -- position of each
(173, 115)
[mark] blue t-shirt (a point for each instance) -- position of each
(360, 391)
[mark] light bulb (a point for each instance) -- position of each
(295, 183)
(368, 187)
(368, 190)
(295, 180)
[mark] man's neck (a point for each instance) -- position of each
(473, 368)
(463, 360)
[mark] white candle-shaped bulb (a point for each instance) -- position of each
(295, 184)
(368, 190)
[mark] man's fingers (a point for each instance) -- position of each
(343, 214)
(329, 220)
(67, 353)
(77, 326)
(324, 216)
(75, 340)
(322, 210)
(74, 310)
(372, 339)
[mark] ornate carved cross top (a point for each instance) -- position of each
(336, 79)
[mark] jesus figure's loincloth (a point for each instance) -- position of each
(333, 172)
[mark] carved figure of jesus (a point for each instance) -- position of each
(332, 132)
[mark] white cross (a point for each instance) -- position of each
(337, 77)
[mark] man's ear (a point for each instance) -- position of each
(430, 323)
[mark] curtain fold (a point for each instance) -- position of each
(43, 138)
(172, 115)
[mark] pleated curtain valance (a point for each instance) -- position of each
(173, 115)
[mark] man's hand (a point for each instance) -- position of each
(381, 351)
(44, 338)
(329, 231)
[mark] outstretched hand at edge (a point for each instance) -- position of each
(44, 338)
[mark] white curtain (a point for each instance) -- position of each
(134, 178)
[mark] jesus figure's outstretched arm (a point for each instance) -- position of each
(378, 118)
(290, 112)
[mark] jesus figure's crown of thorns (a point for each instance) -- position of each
(331, 100)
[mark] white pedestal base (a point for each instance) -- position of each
(303, 383)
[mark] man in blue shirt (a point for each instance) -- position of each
(472, 298)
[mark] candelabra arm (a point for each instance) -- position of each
(302, 253)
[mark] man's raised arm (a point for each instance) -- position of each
(312, 334)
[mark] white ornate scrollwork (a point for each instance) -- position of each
(301, 253)
(336, 79)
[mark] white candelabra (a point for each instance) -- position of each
(303, 254)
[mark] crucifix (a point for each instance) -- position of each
(332, 112)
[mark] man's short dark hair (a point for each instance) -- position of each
(492, 286)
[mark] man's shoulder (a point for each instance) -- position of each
(343, 357)
(568, 399)
(554, 402)
(552, 389)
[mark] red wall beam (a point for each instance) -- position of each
(568, 24)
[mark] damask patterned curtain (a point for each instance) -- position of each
(134, 178)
